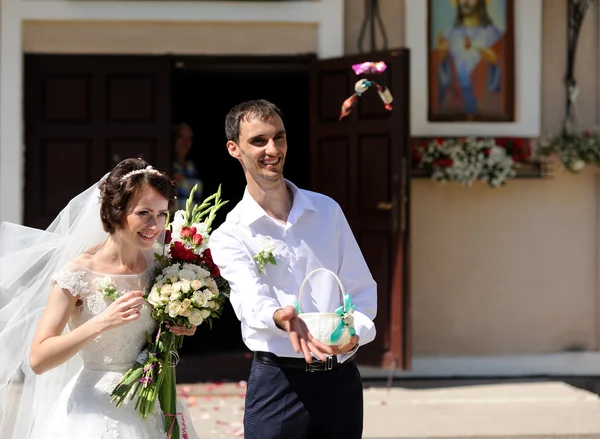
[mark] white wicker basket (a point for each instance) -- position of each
(322, 324)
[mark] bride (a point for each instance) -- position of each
(64, 327)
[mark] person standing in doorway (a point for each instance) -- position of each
(184, 170)
(299, 387)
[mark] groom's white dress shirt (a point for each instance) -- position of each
(316, 235)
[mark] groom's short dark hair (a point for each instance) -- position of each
(248, 110)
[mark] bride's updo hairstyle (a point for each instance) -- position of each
(123, 182)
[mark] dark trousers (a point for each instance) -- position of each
(285, 403)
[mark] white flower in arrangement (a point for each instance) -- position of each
(466, 160)
(187, 275)
(172, 270)
(166, 290)
(154, 298)
(266, 252)
(175, 308)
(185, 286)
(199, 299)
(107, 287)
(266, 244)
(576, 165)
(177, 224)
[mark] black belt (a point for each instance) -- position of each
(300, 363)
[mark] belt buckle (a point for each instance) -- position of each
(319, 366)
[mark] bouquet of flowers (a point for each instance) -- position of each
(187, 289)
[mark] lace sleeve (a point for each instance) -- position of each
(72, 281)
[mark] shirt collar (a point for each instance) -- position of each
(251, 210)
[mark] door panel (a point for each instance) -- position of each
(362, 163)
(84, 114)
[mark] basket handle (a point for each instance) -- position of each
(342, 290)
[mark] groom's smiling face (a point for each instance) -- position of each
(261, 148)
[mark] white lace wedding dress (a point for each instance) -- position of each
(84, 408)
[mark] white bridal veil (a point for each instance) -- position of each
(28, 259)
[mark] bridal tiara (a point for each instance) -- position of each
(146, 170)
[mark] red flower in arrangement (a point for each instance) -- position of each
(168, 237)
(180, 253)
(188, 232)
(445, 162)
(197, 239)
(210, 264)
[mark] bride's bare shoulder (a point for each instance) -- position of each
(86, 259)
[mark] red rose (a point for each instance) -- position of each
(180, 253)
(186, 232)
(197, 239)
(167, 237)
(500, 142)
(444, 162)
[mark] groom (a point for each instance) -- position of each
(298, 386)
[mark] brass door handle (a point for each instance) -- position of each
(383, 205)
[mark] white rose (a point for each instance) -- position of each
(211, 304)
(205, 313)
(195, 317)
(186, 303)
(176, 287)
(173, 278)
(154, 298)
(212, 286)
(177, 225)
(266, 243)
(199, 299)
(174, 308)
(188, 275)
(166, 290)
(185, 286)
(172, 269)
(185, 312)
(103, 282)
(196, 284)
(201, 273)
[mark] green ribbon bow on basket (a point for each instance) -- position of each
(346, 312)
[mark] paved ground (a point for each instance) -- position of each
(507, 410)
(449, 409)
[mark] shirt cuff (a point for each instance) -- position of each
(365, 328)
(269, 321)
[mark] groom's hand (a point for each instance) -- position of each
(301, 339)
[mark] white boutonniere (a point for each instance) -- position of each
(266, 254)
(107, 287)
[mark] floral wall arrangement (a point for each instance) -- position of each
(465, 160)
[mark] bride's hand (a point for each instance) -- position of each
(182, 330)
(123, 310)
